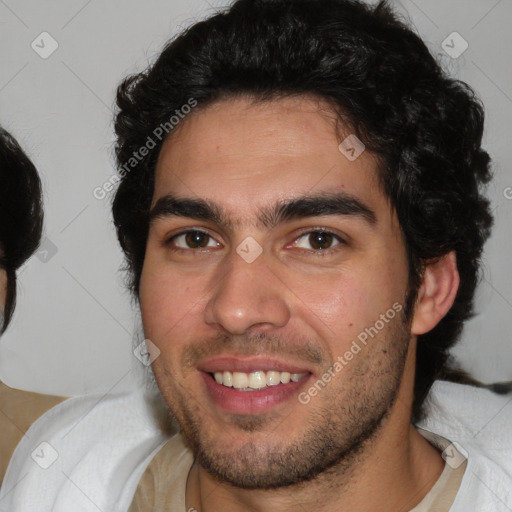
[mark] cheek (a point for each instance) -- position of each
(156, 300)
(160, 311)
(168, 300)
(338, 304)
(340, 307)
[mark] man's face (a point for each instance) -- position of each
(270, 253)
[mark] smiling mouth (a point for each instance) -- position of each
(255, 381)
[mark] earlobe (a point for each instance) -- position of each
(436, 294)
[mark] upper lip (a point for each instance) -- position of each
(248, 365)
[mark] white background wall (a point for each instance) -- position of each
(73, 329)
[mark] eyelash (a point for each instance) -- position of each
(317, 252)
(170, 240)
(321, 252)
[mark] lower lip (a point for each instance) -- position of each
(251, 402)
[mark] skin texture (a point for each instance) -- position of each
(352, 443)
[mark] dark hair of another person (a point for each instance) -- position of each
(21, 214)
(424, 127)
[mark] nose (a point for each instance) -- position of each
(247, 295)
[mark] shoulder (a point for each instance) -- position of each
(476, 413)
(87, 451)
(477, 421)
(19, 410)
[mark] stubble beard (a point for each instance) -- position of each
(338, 434)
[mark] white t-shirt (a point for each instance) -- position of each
(89, 453)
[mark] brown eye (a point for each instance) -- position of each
(196, 239)
(317, 241)
(321, 240)
(193, 239)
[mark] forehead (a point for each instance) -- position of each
(245, 155)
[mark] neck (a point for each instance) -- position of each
(395, 469)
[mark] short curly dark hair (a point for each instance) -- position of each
(424, 127)
(21, 214)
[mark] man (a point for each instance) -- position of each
(316, 214)
(21, 222)
(300, 206)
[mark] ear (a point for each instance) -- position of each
(436, 294)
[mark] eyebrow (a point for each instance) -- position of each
(271, 216)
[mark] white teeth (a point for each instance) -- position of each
(285, 377)
(273, 378)
(240, 380)
(227, 379)
(255, 380)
